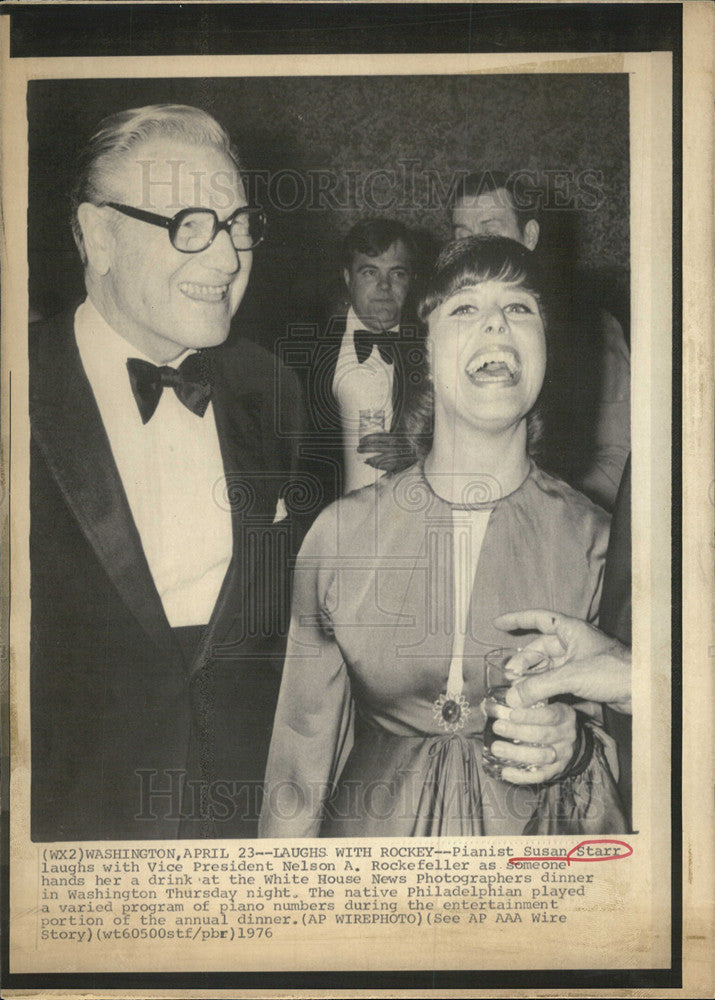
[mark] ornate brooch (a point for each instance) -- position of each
(451, 711)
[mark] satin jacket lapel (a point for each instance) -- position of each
(399, 374)
(250, 491)
(68, 428)
(327, 357)
(410, 371)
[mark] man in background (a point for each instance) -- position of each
(367, 358)
(158, 501)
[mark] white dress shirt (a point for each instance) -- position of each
(172, 472)
(365, 388)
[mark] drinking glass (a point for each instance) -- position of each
(371, 422)
(497, 681)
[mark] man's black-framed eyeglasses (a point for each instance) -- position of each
(193, 229)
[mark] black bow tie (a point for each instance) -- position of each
(190, 381)
(365, 340)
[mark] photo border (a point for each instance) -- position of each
(135, 29)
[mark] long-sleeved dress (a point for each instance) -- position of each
(378, 730)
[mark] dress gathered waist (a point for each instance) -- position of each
(433, 785)
(367, 728)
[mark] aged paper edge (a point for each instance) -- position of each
(697, 455)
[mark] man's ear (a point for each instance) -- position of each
(531, 234)
(346, 277)
(97, 236)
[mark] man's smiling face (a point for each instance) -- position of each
(161, 300)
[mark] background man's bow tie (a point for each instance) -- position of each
(190, 381)
(365, 340)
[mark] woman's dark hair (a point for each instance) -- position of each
(477, 259)
(461, 264)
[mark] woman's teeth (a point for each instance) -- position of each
(494, 366)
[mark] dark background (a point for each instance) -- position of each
(296, 135)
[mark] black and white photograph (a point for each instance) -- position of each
(311, 301)
(342, 435)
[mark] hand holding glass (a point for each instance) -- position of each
(497, 681)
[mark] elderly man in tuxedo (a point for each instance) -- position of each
(159, 483)
(365, 360)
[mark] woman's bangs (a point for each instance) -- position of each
(476, 260)
(508, 271)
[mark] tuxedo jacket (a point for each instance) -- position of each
(136, 733)
(313, 353)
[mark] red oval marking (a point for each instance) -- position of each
(601, 857)
(582, 843)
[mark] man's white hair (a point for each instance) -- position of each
(118, 134)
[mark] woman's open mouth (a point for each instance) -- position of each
(494, 366)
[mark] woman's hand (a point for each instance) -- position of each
(547, 738)
(588, 663)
